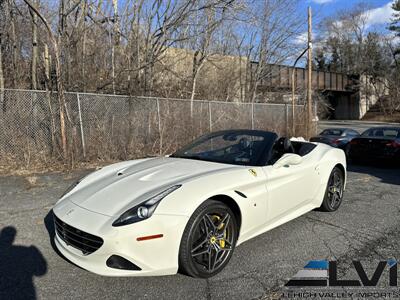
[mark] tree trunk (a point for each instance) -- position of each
(61, 100)
(57, 44)
(113, 66)
(47, 67)
(14, 48)
(60, 87)
(48, 95)
(34, 50)
(2, 100)
(197, 65)
(115, 42)
(83, 66)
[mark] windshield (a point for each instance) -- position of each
(332, 132)
(382, 132)
(238, 147)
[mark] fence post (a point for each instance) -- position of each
(252, 115)
(315, 117)
(287, 119)
(2, 99)
(81, 125)
(210, 116)
(34, 118)
(159, 125)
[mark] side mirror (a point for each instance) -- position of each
(288, 159)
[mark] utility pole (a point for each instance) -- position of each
(309, 81)
(293, 92)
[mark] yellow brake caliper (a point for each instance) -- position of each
(221, 241)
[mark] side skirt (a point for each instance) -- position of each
(269, 226)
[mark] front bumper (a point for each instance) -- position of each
(154, 257)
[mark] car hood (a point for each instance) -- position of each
(113, 190)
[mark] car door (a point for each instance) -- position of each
(290, 187)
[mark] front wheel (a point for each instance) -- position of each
(334, 191)
(208, 240)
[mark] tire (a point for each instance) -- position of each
(334, 191)
(208, 240)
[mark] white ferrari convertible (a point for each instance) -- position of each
(189, 211)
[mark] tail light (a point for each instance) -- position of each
(336, 141)
(394, 144)
(354, 142)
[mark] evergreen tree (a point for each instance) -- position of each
(395, 24)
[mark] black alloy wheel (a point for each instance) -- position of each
(208, 240)
(334, 191)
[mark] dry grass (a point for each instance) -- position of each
(118, 128)
(12, 167)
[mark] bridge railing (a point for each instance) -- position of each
(280, 77)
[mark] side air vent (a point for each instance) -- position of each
(241, 194)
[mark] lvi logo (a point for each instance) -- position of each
(324, 273)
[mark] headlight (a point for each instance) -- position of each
(144, 210)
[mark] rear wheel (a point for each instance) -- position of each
(208, 240)
(334, 191)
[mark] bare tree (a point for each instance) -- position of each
(35, 53)
(1, 75)
(3, 21)
(13, 42)
(273, 26)
(60, 87)
(346, 34)
(205, 23)
(108, 48)
(115, 42)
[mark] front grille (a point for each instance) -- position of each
(83, 241)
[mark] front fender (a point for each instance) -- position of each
(252, 205)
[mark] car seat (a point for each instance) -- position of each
(282, 146)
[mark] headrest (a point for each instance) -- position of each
(285, 144)
(244, 143)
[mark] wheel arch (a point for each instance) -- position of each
(232, 204)
(343, 169)
(329, 159)
(332, 158)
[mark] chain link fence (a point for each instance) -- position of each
(111, 127)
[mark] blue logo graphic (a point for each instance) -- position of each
(324, 273)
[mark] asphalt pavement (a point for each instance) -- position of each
(366, 227)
